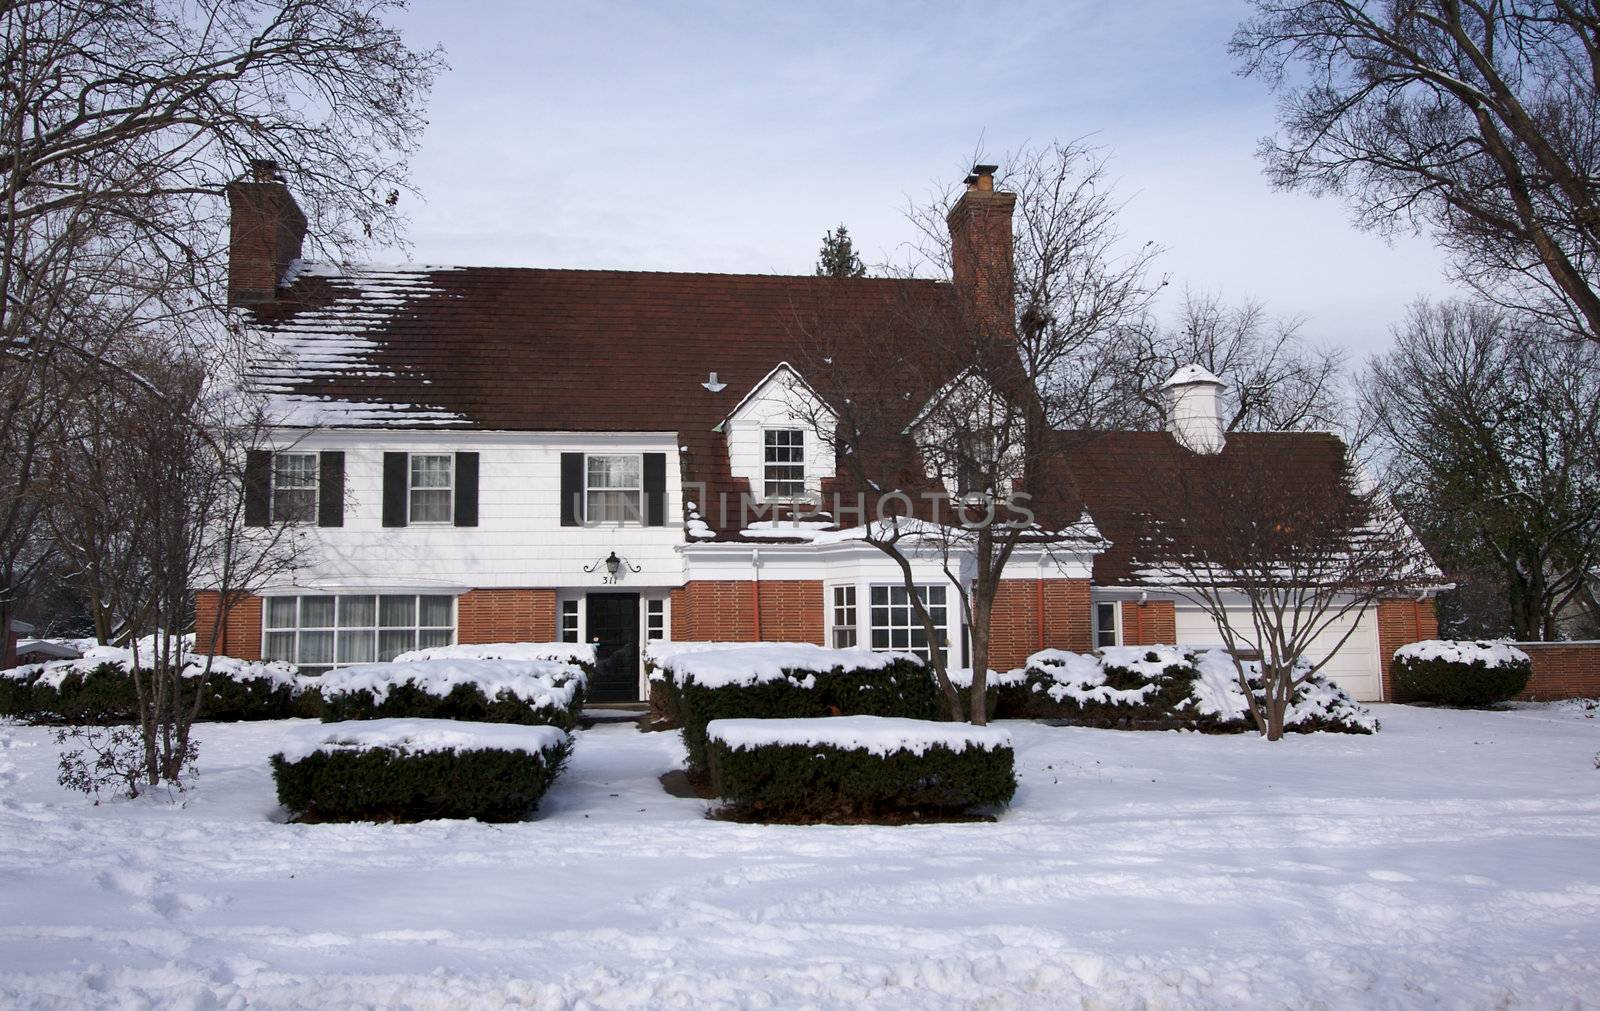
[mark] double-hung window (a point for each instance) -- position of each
(1105, 624)
(318, 632)
(614, 488)
(432, 490)
(844, 617)
(784, 461)
(294, 487)
(896, 624)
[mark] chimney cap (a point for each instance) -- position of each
(264, 170)
(1192, 375)
(985, 170)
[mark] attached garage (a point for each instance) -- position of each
(1356, 667)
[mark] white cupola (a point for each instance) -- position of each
(1194, 409)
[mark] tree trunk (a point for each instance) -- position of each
(978, 701)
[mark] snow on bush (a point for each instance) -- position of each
(786, 680)
(1490, 653)
(753, 663)
(488, 691)
(658, 651)
(417, 769)
(858, 768)
(1167, 687)
(877, 735)
(1460, 673)
(99, 686)
(561, 652)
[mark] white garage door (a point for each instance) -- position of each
(1355, 667)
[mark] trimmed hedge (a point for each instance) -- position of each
(525, 692)
(463, 702)
(394, 785)
(825, 783)
(105, 694)
(900, 688)
(1494, 676)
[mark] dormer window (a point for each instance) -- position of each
(784, 459)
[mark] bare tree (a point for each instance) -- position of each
(122, 124)
(1473, 118)
(938, 402)
(1491, 438)
(1277, 380)
(1302, 556)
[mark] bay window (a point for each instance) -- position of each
(897, 626)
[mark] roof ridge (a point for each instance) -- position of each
(330, 269)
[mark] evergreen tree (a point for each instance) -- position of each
(838, 258)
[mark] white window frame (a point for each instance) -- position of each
(449, 488)
(805, 471)
(665, 616)
(315, 487)
(864, 617)
(588, 513)
(836, 609)
(377, 628)
(1116, 623)
(576, 604)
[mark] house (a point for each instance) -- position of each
(492, 454)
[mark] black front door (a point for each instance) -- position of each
(613, 621)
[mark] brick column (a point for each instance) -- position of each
(1400, 622)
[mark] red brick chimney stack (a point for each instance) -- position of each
(266, 230)
(981, 251)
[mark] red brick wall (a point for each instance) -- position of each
(725, 610)
(241, 629)
(1401, 622)
(1016, 629)
(1563, 670)
(506, 615)
(1152, 623)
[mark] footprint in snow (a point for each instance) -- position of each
(1389, 876)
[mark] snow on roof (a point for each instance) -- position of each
(335, 341)
(1191, 374)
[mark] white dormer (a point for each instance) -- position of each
(1194, 409)
(959, 431)
(773, 441)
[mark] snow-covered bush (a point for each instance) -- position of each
(1460, 673)
(484, 691)
(1166, 687)
(415, 770)
(99, 689)
(578, 654)
(790, 680)
(854, 768)
(663, 693)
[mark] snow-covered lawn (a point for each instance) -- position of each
(1453, 859)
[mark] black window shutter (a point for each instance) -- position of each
(257, 487)
(394, 489)
(572, 489)
(466, 489)
(655, 489)
(330, 489)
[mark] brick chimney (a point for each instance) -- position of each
(266, 229)
(981, 251)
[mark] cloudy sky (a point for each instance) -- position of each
(729, 137)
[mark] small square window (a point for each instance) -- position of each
(294, 487)
(784, 457)
(655, 619)
(432, 497)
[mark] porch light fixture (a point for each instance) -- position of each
(613, 564)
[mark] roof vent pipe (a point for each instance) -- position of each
(714, 386)
(1194, 409)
